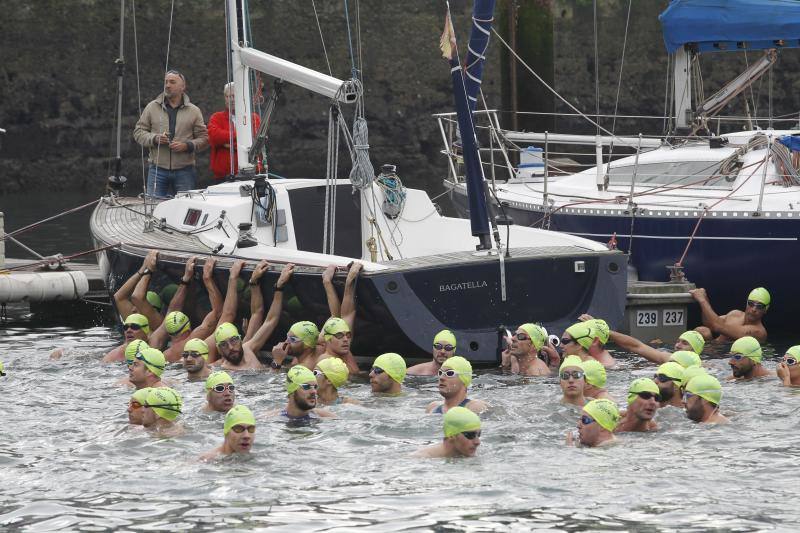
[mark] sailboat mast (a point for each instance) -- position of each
(242, 112)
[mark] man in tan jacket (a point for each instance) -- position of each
(173, 129)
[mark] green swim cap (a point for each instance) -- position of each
(445, 337)
(599, 328)
(141, 395)
(167, 293)
(760, 295)
(165, 402)
(748, 347)
(333, 326)
(695, 340)
(571, 361)
(335, 370)
(133, 349)
(305, 331)
(215, 378)
(794, 351)
(685, 358)
(154, 299)
(154, 360)
(225, 331)
(641, 385)
(582, 334)
(296, 376)
(536, 333)
(462, 366)
(707, 387)
(460, 419)
(238, 414)
(140, 320)
(690, 373)
(2, 369)
(393, 364)
(604, 412)
(176, 322)
(594, 373)
(673, 370)
(197, 345)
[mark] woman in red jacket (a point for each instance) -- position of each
(222, 137)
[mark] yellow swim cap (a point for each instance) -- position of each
(215, 378)
(794, 351)
(197, 345)
(685, 358)
(167, 293)
(599, 329)
(695, 340)
(604, 412)
(139, 320)
(296, 376)
(154, 360)
(393, 364)
(445, 337)
(594, 372)
(2, 369)
(760, 295)
(154, 299)
(462, 366)
(707, 387)
(333, 326)
(673, 370)
(165, 402)
(238, 414)
(305, 331)
(335, 370)
(176, 323)
(536, 333)
(141, 395)
(134, 348)
(582, 334)
(225, 331)
(690, 373)
(641, 385)
(748, 347)
(571, 361)
(460, 419)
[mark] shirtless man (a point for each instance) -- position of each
(239, 432)
(462, 435)
(455, 377)
(745, 360)
(596, 425)
(572, 381)
(644, 396)
(583, 339)
(301, 389)
(160, 411)
(524, 351)
(735, 324)
(138, 284)
(702, 398)
(331, 374)
(788, 369)
(135, 326)
(147, 369)
(300, 343)
(594, 376)
(688, 341)
(337, 332)
(444, 346)
(387, 374)
(220, 393)
(195, 360)
(669, 377)
(601, 333)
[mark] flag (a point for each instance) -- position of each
(447, 42)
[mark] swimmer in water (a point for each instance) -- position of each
(228, 341)
(331, 374)
(572, 381)
(301, 389)
(462, 435)
(337, 332)
(160, 411)
(337, 337)
(702, 398)
(2, 370)
(195, 360)
(644, 396)
(745, 360)
(596, 425)
(576, 340)
(136, 327)
(455, 377)
(523, 354)
(688, 341)
(239, 432)
(444, 347)
(669, 377)
(736, 324)
(135, 411)
(147, 369)
(300, 343)
(220, 392)
(594, 376)
(788, 369)
(688, 374)
(686, 358)
(601, 332)
(387, 374)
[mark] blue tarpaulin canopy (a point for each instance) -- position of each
(792, 142)
(718, 25)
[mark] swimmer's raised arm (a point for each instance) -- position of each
(252, 346)
(208, 324)
(334, 306)
(231, 295)
(349, 298)
(256, 300)
(629, 344)
(139, 296)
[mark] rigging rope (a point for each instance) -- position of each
(321, 38)
(48, 219)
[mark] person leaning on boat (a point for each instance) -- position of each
(174, 130)
(222, 136)
(736, 324)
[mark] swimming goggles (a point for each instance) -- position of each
(141, 358)
(222, 386)
(135, 405)
(471, 435)
(522, 336)
(450, 373)
(291, 339)
(574, 374)
(308, 386)
(230, 341)
(132, 327)
(790, 361)
(646, 395)
(377, 370)
(756, 305)
(586, 420)
(239, 428)
(190, 354)
(663, 378)
(445, 347)
(343, 334)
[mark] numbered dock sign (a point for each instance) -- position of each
(673, 317)
(646, 318)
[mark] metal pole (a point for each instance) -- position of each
(544, 190)
(449, 151)
(512, 63)
(764, 175)
(633, 177)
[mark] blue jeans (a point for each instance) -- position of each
(164, 183)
